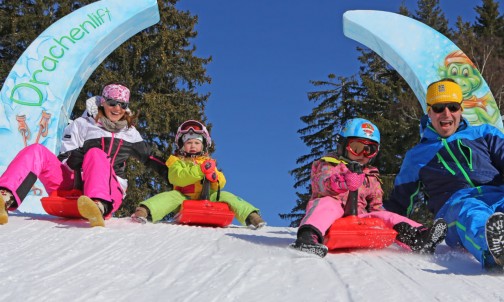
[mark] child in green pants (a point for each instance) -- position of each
(187, 169)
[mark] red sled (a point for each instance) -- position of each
(355, 232)
(205, 213)
(62, 203)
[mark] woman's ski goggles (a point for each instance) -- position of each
(440, 107)
(364, 147)
(113, 103)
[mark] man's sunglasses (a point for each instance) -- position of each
(113, 103)
(453, 107)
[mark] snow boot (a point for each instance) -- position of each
(309, 242)
(6, 200)
(254, 221)
(422, 240)
(494, 232)
(140, 215)
(91, 210)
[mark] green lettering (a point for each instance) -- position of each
(74, 33)
(27, 103)
(34, 78)
(53, 55)
(84, 28)
(60, 41)
(53, 62)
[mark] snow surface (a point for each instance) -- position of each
(44, 258)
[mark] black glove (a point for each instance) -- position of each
(75, 159)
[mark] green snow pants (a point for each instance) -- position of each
(165, 203)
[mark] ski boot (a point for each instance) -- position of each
(254, 221)
(422, 240)
(494, 232)
(309, 242)
(91, 210)
(6, 200)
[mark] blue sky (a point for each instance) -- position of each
(264, 55)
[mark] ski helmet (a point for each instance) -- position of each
(356, 128)
(194, 127)
(362, 128)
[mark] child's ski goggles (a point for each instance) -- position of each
(358, 147)
(192, 125)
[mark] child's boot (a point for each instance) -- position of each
(494, 231)
(421, 239)
(308, 241)
(140, 215)
(6, 200)
(91, 210)
(254, 221)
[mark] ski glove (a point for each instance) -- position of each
(353, 180)
(75, 159)
(209, 169)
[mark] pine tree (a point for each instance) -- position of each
(488, 51)
(430, 13)
(337, 102)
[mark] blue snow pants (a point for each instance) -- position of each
(466, 213)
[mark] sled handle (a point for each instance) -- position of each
(205, 192)
(78, 180)
(351, 204)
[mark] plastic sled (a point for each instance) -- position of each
(62, 203)
(205, 213)
(355, 232)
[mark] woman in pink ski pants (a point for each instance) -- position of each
(98, 146)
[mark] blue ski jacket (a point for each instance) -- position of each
(471, 157)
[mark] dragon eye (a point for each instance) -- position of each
(454, 71)
(465, 72)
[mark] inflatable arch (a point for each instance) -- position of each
(40, 91)
(422, 55)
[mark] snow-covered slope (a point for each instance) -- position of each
(43, 258)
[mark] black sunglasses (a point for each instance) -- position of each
(113, 103)
(453, 107)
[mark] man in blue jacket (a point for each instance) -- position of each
(459, 169)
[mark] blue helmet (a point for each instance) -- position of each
(362, 128)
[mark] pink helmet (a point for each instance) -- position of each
(193, 126)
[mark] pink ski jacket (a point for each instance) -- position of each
(330, 169)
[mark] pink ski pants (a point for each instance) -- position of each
(36, 161)
(322, 212)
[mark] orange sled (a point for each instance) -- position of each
(205, 213)
(355, 232)
(62, 203)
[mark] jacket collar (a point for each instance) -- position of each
(430, 133)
